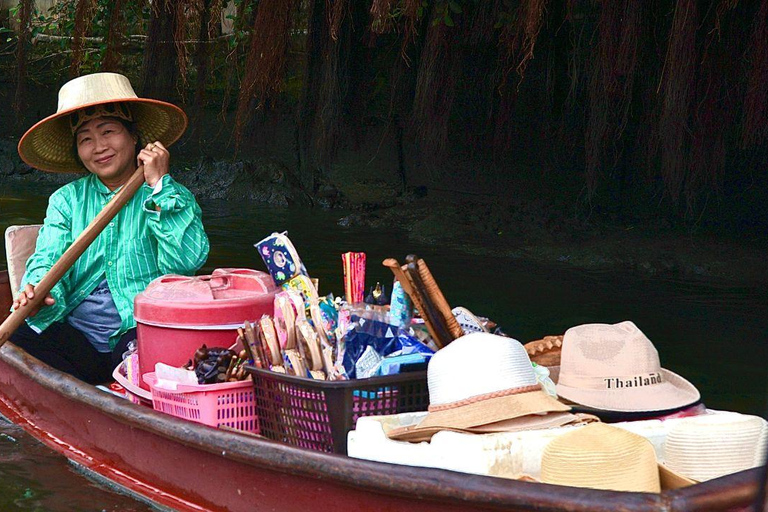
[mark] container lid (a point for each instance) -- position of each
(225, 298)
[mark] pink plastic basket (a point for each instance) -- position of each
(230, 404)
(132, 390)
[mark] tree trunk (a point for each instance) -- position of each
(19, 102)
(161, 54)
(317, 34)
(113, 55)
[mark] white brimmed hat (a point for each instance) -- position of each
(484, 383)
(600, 456)
(713, 445)
(48, 145)
(617, 368)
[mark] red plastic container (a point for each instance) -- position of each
(175, 315)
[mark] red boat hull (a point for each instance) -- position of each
(191, 467)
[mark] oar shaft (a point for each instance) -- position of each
(69, 257)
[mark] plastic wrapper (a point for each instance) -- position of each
(381, 337)
(397, 362)
(401, 307)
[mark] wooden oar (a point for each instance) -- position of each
(69, 257)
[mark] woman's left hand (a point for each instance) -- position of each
(155, 159)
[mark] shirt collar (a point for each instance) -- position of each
(99, 186)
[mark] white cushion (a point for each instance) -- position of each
(19, 246)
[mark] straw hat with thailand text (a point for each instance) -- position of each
(484, 383)
(49, 144)
(600, 456)
(617, 368)
(713, 445)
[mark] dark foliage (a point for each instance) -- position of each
(654, 107)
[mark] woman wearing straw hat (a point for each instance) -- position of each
(102, 127)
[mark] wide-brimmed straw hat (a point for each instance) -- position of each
(48, 145)
(484, 383)
(714, 445)
(617, 368)
(600, 456)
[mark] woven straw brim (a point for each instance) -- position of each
(49, 146)
(669, 479)
(673, 393)
(533, 406)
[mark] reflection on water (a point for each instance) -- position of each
(33, 477)
(714, 335)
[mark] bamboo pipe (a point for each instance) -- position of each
(78, 247)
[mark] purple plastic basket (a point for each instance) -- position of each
(317, 414)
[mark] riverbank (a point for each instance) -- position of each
(504, 224)
(536, 231)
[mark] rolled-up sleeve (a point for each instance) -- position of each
(175, 221)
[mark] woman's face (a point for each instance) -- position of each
(107, 149)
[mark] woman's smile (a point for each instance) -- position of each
(104, 159)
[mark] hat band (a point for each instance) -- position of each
(486, 396)
(611, 383)
(116, 109)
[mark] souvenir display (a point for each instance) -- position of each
(314, 365)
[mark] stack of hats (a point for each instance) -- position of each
(601, 456)
(483, 383)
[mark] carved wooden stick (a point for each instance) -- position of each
(430, 313)
(435, 295)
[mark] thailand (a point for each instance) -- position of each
(383, 255)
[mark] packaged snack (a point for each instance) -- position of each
(302, 285)
(401, 307)
(285, 320)
(354, 276)
(281, 258)
(367, 364)
(399, 363)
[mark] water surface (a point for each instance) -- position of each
(713, 333)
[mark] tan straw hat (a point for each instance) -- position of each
(484, 383)
(617, 368)
(600, 456)
(714, 445)
(48, 145)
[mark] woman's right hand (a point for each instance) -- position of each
(26, 295)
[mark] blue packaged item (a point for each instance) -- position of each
(363, 333)
(408, 344)
(400, 308)
(281, 258)
(384, 338)
(395, 363)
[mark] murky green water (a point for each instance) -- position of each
(715, 335)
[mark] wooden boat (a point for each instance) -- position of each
(190, 467)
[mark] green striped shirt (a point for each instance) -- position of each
(139, 245)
